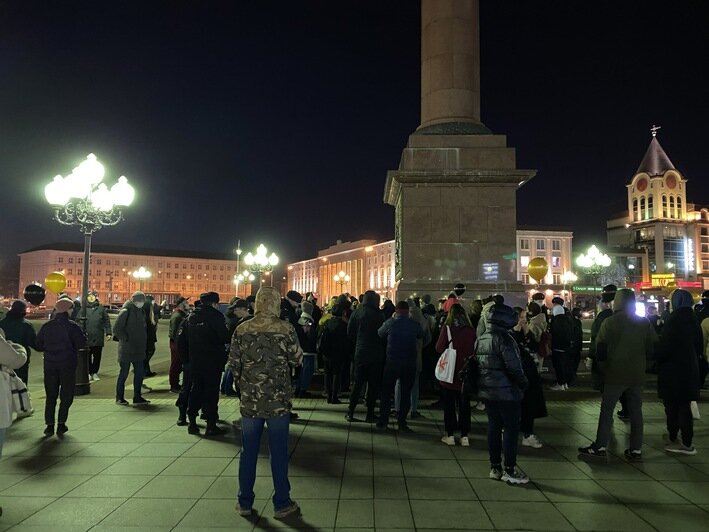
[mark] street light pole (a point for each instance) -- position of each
(261, 263)
(81, 199)
(238, 257)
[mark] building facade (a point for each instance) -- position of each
(173, 273)
(671, 233)
(371, 265)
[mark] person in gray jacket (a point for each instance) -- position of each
(98, 328)
(130, 331)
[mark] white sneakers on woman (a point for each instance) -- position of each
(450, 440)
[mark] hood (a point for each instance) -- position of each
(371, 299)
(268, 302)
(625, 300)
(680, 299)
(502, 316)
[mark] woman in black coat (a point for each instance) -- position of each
(533, 403)
(681, 347)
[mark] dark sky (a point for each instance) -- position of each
(276, 121)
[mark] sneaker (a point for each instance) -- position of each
(495, 473)
(350, 417)
(464, 441)
(480, 406)
(531, 441)
(140, 401)
(288, 510)
(96, 377)
(244, 512)
(62, 429)
(91, 377)
(680, 448)
(121, 402)
(514, 477)
(448, 440)
(633, 454)
(49, 431)
(181, 422)
(557, 387)
(566, 387)
(592, 450)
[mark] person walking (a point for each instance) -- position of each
(336, 349)
(130, 331)
(207, 341)
(501, 386)
(98, 329)
(623, 345)
(561, 330)
(19, 330)
(263, 352)
(362, 329)
(180, 312)
(60, 339)
(458, 333)
(401, 333)
(152, 315)
(679, 355)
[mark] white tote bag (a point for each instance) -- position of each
(445, 369)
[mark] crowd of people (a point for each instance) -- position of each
(266, 349)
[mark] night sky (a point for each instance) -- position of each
(277, 121)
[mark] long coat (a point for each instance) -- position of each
(98, 324)
(681, 347)
(130, 330)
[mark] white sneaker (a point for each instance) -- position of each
(557, 387)
(566, 386)
(96, 377)
(514, 477)
(679, 448)
(91, 377)
(495, 473)
(464, 441)
(531, 441)
(448, 440)
(480, 406)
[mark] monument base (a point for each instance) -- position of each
(514, 292)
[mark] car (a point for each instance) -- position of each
(113, 309)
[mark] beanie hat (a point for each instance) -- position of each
(63, 304)
(18, 308)
(294, 296)
(307, 307)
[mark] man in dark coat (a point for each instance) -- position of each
(400, 333)
(208, 338)
(606, 306)
(182, 307)
(152, 315)
(98, 327)
(623, 345)
(19, 330)
(336, 349)
(561, 329)
(679, 356)
(362, 330)
(130, 332)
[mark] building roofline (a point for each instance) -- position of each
(545, 228)
(129, 250)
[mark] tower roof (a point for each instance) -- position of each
(656, 161)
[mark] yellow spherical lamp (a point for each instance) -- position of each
(537, 269)
(55, 282)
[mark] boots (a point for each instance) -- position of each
(192, 428)
(182, 418)
(213, 429)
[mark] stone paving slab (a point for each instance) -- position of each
(130, 469)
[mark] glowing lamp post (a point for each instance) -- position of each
(141, 274)
(81, 199)
(341, 278)
(243, 278)
(593, 262)
(261, 262)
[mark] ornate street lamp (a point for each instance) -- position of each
(238, 252)
(341, 278)
(261, 262)
(81, 199)
(141, 274)
(593, 262)
(245, 277)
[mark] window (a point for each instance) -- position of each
(525, 278)
(60, 259)
(168, 265)
(635, 210)
(679, 207)
(70, 271)
(184, 266)
(524, 243)
(214, 267)
(71, 260)
(80, 260)
(214, 277)
(98, 261)
(524, 261)
(672, 207)
(221, 267)
(191, 266)
(199, 266)
(125, 263)
(642, 209)
(664, 206)
(556, 245)
(159, 264)
(177, 275)
(556, 262)
(540, 245)
(556, 278)
(650, 210)
(98, 273)
(68, 283)
(79, 271)
(221, 277)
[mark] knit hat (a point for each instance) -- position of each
(608, 293)
(63, 304)
(18, 308)
(307, 307)
(209, 298)
(294, 296)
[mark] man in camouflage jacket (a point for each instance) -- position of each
(263, 351)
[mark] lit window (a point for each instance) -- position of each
(556, 262)
(524, 261)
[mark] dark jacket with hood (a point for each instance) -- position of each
(501, 375)
(98, 324)
(363, 328)
(680, 349)
(130, 331)
(60, 339)
(335, 346)
(401, 333)
(207, 339)
(19, 330)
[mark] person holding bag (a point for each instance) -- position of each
(459, 334)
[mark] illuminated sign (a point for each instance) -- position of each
(689, 254)
(662, 279)
(490, 271)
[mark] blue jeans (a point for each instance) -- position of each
(414, 395)
(251, 430)
(227, 385)
(393, 371)
(503, 414)
(138, 373)
(306, 373)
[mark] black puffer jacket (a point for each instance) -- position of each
(678, 358)
(501, 374)
(207, 338)
(363, 328)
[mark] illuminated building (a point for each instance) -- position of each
(174, 273)
(551, 244)
(671, 234)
